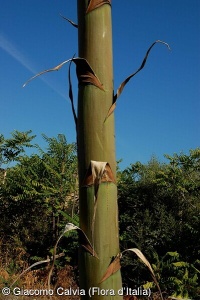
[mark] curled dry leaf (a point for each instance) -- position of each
(147, 263)
(70, 21)
(142, 257)
(46, 71)
(98, 168)
(93, 4)
(84, 241)
(84, 72)
(112, 268)
(95, 170)
(122, 85)
(98, 172)
(68, 227)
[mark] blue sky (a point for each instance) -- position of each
(158, 111)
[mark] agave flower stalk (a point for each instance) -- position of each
(96, 143)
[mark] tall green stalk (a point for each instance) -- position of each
(96, 142)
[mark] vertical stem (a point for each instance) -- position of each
(96, 141)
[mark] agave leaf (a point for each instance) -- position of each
(46, 71)
(98, 172)
(122, 85)
(93, 4)
(98, 168)
(85, 243)
(68, 227)
(70, 21)
(106, 174)
(143, 258)
(112, 268)
(147, 263)
(84, 72)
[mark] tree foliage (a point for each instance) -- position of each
(11, 148)
(159, 210)
(38, 197)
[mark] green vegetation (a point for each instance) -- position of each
(159, 214)
(38, 197)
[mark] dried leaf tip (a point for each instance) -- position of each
(159, 41)
(147, 263)
(70, 21)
